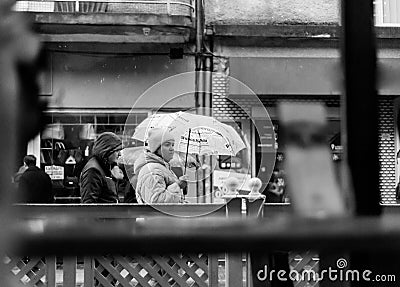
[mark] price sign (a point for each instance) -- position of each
(55, 172)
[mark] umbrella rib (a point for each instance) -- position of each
(187, 149)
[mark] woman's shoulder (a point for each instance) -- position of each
(153, 168)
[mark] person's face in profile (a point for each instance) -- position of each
(167, 150)
(113, 158)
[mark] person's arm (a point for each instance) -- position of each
(91, 186)
(155, 190)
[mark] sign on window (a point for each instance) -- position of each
(55, 172)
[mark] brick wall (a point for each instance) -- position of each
(387, 150)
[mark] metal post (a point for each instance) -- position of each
(77, 6)
(360, 136)
(199, 81)
(360, 102)
(207, 104)
(233, 260)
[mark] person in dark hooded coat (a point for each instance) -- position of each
(96, 183)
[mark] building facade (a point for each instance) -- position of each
(104, 56)
(289, 51)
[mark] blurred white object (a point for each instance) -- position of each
(87, 132)
(53, 131)
(255, 185)
(309, 167)
(231, 186)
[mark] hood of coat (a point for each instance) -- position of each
(148, 157)
(105, 144)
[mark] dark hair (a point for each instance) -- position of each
(158, 152)
(30, 160)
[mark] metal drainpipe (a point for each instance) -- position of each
(199, 82)
(199, 49)
(203, 85)
(207, 102)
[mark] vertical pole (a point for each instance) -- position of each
(88, 272)
(254, 209)
(69, 275)
(77, 6)
(199, 81)
(212, 270)
(199, 26)
(51, 271)
(361, 121)
(207, 105)
(360, 101)
(233, 261)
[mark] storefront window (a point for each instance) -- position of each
(66, 144)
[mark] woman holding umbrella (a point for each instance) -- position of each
(156, 182)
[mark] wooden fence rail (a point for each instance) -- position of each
(170, 269)
(116, 270)
(198, 269)
(118, 211)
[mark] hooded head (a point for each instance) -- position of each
(156, 137)
(105, 144)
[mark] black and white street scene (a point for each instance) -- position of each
(220, 143)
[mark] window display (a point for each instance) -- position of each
(66, 145)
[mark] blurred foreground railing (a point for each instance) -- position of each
(107, 267)
(179, 7)
(128, 268)
(104, 244)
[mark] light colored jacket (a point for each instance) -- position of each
(156, 182)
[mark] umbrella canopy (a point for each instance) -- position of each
(131, 154)
(196, 134)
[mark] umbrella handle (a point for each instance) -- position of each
(187, 150)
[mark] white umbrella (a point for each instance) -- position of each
(131, 154)
(195, 134)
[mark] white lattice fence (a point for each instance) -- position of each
(29, 271)
(305, 261)
(174, 270)
(112, 271)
